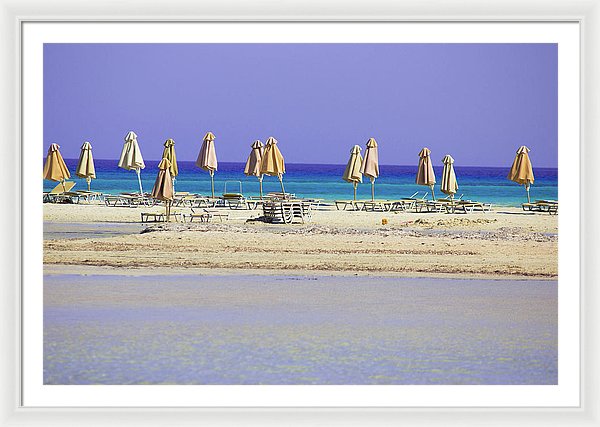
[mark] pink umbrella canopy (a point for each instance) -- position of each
(163, 186)
(207, 158)
(254, 162)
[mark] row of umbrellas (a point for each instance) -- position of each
(268, 160)
(521, 171)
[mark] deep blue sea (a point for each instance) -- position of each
(487, 184)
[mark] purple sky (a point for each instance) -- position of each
(477, 102)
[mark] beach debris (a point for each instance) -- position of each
(384, 221)
(427, 228)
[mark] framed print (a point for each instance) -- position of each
(326, 216)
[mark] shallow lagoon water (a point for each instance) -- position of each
(255, 329)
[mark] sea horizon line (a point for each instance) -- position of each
(330, 164)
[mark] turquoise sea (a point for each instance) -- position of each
(487, 184)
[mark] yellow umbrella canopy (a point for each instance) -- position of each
(163, 186)
(352, 173)
(85, 167)
(425, 174)
(449, 184)
(131, 156)
(521, 171)
(169, 154)
(370, 164)
(207, 158)
(272, 162)
(254, 163)
(55, 168)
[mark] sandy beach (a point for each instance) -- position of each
(506, 242)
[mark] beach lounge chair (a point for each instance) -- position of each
(58, 193)
(376, 205)
(354, 205)
(232, 199)
(287, 211)
(550, 206)
(206, 215)
(280, 196)
(405, 203)
(89, 196)
(468, 206)
(160, 216)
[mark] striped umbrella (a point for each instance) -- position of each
(85, 167)
(131, 157)
(55, 168)
(273, 163)
(207, 158)
(352, 173)
(254, 162)
(521, 171)
(370, 164)
(425, 174)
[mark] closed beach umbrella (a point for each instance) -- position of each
(370, 164)
(207, 158)
(449, 184)
(131, 157)
(169, 154)
(163, 186)
(272, 162)
(352, 173)
(55, 168)
(425, 174)
(254, 162)
(521, 171)
(85, 167)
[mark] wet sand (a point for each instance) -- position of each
(307, 329)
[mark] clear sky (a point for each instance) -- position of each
(477, 102)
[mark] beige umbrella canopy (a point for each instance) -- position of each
(169, 154)
(370, 164)
(207, 158)
(85, 167)
(55, 168)
(163, 186)
(449, 184)
(425, 174)
(131, 156)
(254, 162)
(272, 161)
(352, 173)
(521, 171)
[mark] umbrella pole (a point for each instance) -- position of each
(281, 182)
(372, 189)
(432, 193)
(527, 189)
(140, 181)
(260, 178)
(355, 184)
(62, 181)
(89, 181)
(212, 183)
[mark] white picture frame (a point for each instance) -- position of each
(14, 15)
